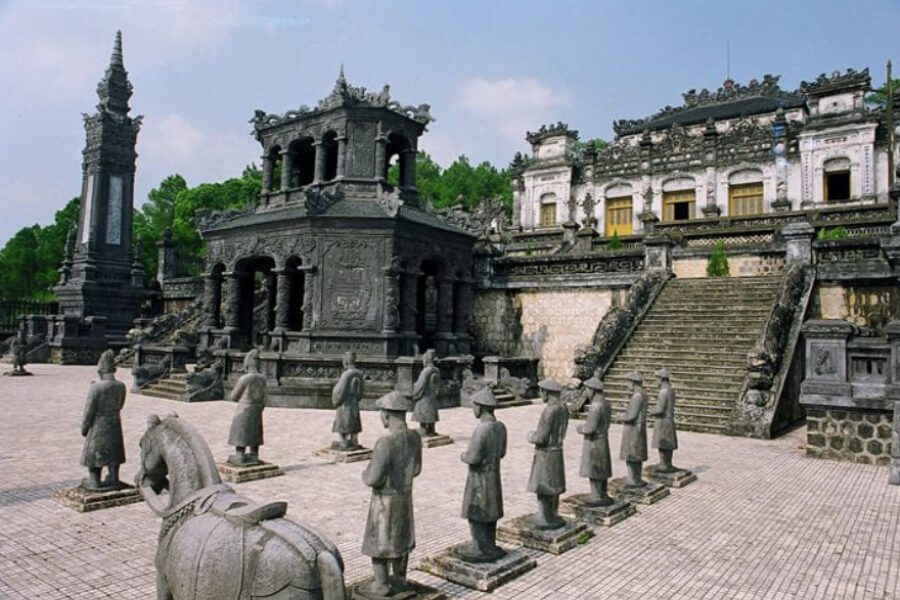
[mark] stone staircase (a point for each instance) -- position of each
(701, 330)
(170, 388)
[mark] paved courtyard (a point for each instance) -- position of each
(763, 521)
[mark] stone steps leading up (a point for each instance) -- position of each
(701, 330)
(170, 388)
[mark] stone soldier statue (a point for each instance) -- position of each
(483, 498)
(596, 464)
(548, 475)
(101, 427)
(425, 395)
(634, 431)
(19, 350)
(247, 424)
(390, 530)
(346, 396)
(664, 437)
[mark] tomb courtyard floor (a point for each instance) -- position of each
(762, 521)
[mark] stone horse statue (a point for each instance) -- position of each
(217, 545)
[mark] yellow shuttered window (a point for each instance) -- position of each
(548, 214)
(745, 199)
(678, 205)
(619, 216)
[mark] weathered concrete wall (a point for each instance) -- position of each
(867, 306)
(858, 436)
(555, 322)
(740, 265)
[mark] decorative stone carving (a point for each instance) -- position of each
(318, 200)
(235, 546)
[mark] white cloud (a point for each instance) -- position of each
(514, 105)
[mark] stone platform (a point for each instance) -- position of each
(340, 455)
(484, 577)
(649, 494)
(415, 591)
(555, 541)
(435, 441)
(577, 507)
(239, 474)
(17, 373)
(84, 500)
(675, 479)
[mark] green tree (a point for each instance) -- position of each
(717, 266)
(154, 216)
(878, 98)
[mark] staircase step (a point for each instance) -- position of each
(160, 394)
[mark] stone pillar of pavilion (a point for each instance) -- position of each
(444, 337)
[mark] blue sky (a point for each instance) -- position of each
(490, 70)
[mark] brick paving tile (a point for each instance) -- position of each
(762, 522)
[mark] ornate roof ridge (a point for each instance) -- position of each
(730, 91)
(825, 83)
(551, 130)
(114, 90)
(345, 95)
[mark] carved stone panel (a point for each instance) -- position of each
(361, 154)
(351, 275)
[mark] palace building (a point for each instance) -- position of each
(742, 150)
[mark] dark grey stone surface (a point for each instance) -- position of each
(247, 425)
(634, 430)
(596, 461)
(583, 507)
(522, 530)
(84, 500)
(484, 576)
(425, 395)
(548, 473)
(669, 478)
(346, 396)
(220, 544)
(649, 493)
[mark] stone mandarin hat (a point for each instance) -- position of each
(550, 386)
(484, 397)
(635, 377)
(394, 401)
(663, 374)
(594, 384)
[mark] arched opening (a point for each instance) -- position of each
(330, 148)
(304, 154)
(296, 283)
(427, 304)
(398, 154)
(836, 179)
(256, 299)
(274, 168)
(548, 210)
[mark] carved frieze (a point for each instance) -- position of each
(350, 278)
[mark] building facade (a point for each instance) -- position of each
(736, 152)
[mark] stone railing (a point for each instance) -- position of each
(152, 363)
(567, 270)
(773, 369)
(618, 324)
(853, 258)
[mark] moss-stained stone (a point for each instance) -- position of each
(854, 435)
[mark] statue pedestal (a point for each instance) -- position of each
(18, 374)
(522, 530)
(485, 576)
(241, 473)
(649, 494)
(434, 441)
(335, 453)
(84, 500)
(674, 479)
(414, 591)
(578, 507)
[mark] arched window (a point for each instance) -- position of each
(679, 199)
(330, 148)
(745, 193)
(304, 154)
(836, 184)
(274, 168)
(548, 210)
(398, 154)
(619, 210)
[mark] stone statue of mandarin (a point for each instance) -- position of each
(548, 475)
(596, 464)
(101, 427)
(19, 350)
(634, 431)
(390, 530)
(425, 395)
(483, 498)
(346, 396)
(664, 436)
(247, 425)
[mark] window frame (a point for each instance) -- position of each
(673, 197)
(737, 198)
(618, 206)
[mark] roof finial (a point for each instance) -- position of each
(116, 58)
(341, 82)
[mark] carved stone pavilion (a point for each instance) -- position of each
(336, 257)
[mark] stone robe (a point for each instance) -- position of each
(634, 429)
(102, 425)
(664, 436)
(390, 528)
(346, 396)
(425, 394)
(548, 474)
(247, 425)
(596, 461)
(483, 498)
